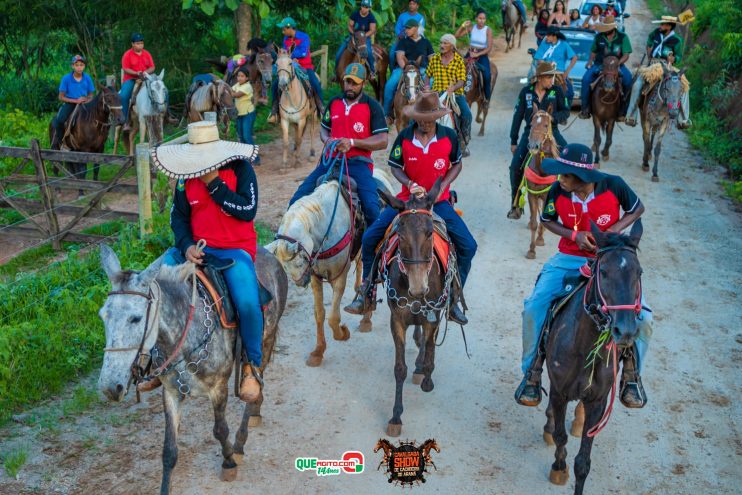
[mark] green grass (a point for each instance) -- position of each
(14, 460)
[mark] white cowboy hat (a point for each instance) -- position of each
(667, 19)
(608, 24)
(203, 153)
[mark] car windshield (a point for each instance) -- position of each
(588, 6)
(581, 45)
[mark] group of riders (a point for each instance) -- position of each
(219, 203)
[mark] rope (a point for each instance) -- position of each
(592, 432)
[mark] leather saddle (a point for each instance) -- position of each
(473, 70)
(389, 245)
(353, 201)
(212, 285)
(571, 285)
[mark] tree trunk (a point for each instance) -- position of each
(243, 19)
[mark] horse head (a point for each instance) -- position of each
(264, 62)
(541, 137)
(428, 445)
(294, 258)
(415, 231)
(671, 89)
(156, 91)
(111, 103)
(609, 81)
(616, 281)
(126, 316)
(383, 443)
(284, 69)
(222, 98)
(412, 80)
(358, 45)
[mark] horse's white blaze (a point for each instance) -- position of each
(622, 263)
(412, 83)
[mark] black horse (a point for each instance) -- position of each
(610, 301)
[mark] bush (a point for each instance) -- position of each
(35, 97)
(18, 128)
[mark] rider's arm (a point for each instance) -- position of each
(371, 28)
(490, 42)
(399, 56)
(301, 48)
(561, 113)
(242, 203)
(463, 30)
(520, 111)
(180, 218)
(629, 201)
(351, 25)
(569, 67)
(625, 49)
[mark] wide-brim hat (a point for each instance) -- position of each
(545, 68)
(667, 19)
(426, 108)
(575, 159)
(553, 30)
(608, 24)
(203, 153)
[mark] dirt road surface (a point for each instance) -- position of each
(685, 441)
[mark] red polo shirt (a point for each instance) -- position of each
(425, 165)
(603, 207)
(358, 120)
(138, 62)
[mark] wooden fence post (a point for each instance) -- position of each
(323, 67)
(46, 195)
(144, 185)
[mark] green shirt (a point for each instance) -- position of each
(661, 48)
(603, 47)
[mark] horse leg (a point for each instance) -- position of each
(658, 149)
(540, 208)
(116, 137)
(365, 324)
(593, 412)
(315, 357)
(142, 130)
(484, 118)
(171, 401)
(579, 422)
(285, 130)
(218, 396)
(532, 225)
(298, 138)
(399, 329)
(559, 471)
(339, 330)
(596, 135)
(647, 144)
(417, 336)
(429, 360)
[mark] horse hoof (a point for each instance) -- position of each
(548, 438)
(238, 458)
(344, 333)
(314, 360)
(540, 242)
(417, 378)
(655, 178)
(645, 168)
(229, 474)
(559, 477)
(365, 326)
(531, 255)
(481, 133)
(393, 430)
(254, 421)
(427, 385)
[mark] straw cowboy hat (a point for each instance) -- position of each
(203, 153)
(575, 159)
(667, 19)
(545, 69)
(427, 108)
(608, 24)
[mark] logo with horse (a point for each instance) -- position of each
(406, 463)
(351, 462)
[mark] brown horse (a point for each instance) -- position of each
(511, 24)
(417, 289)
(606, 104)
(87, 129)
(475, 92)
(385, 444)
(215, 96)
(410, 84)
(358, 52)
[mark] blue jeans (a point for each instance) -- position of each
(592, 73)
(391, 88)
(521, 8)
(483, 63)
(245, 125)
(465, 115)
(60, 120)
(369, 49)
(313, 81)
(516, 164)
(365, 182)
(466, 246)
(125, 93)
(549, 284)
(243, 289)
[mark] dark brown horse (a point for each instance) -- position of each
(417, 292)
(357, 51)
(475, 92)
(410, 84)
(88, 128)
(609, 302)
(606, 103)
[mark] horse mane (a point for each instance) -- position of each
(613, 240)
(308, 210)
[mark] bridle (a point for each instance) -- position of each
(286, 91)
(406, 86)
(600, 311)
(402, 262)
(157, 105)
(549, 133)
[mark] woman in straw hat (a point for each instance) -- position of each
(608, 42)
(216, 198)
(539, 94)
(423, 153)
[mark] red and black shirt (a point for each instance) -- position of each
(603, 207)
(359, 120)
(425, 165)
(221, 212)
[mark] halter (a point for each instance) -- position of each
(604, 308)
(304, 97)
(401, 260)
(406, 86)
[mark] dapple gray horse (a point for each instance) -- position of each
(147, 114)
(511, 23)
(659, 108)
(149, 310)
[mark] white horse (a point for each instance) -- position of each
(147, 114)
(301, 236)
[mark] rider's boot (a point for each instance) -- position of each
(127, 124)
(251, 383)
(319, 104)
(455, 313)
(528, 392)
(273, 117)
(632, 391)
(149, 384)
(622, 111)
(363, 302)
(585, 110)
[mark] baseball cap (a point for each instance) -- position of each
(411, 23)
(78, 58)
(136, 37)
(355, 72)
(287, 22)
(366, 3)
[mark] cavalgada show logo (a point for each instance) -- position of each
(407, 463)
(351, 462)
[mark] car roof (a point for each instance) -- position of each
(577, 33)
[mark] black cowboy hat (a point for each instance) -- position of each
(556, 32)
(575, 159)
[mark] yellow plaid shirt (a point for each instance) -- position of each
(445, 75)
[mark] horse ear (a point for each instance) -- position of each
(550, 108)
(680, 74)
(392, 201)
(271, 248)
(434, 192)
(150, 273)
(597, 233)
(636, 232)
(419, 61)
(162, 74)
(109, 261)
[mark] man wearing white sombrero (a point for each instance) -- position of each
(215, 200)
(608, 42)
(663, 46)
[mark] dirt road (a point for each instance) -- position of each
(686, 441)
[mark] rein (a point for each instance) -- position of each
(401, 260)
(304, 98)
